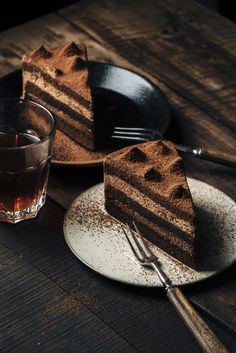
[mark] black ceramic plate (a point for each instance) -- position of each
(122, 98)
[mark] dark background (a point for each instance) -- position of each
(14, 13)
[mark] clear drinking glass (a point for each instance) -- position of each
(26, 135)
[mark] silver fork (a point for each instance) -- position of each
(143, 134)
(145, 257)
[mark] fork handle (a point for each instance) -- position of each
(215, 156)
(203, 334)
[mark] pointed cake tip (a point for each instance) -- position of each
(42, 52)
(71, 49)
(135, 154)
(176, 166)
(163, 148)
(177, 191)
(77, 63)
(151, 174)
(58, 72)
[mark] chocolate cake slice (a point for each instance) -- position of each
(146, 183)
(58, 79)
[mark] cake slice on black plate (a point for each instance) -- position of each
(58, 79)
(146, 183)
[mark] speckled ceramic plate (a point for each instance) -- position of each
(97, 239)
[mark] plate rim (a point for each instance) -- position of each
(98, 162)
(212, 275)
(87, 164)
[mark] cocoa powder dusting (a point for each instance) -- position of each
(63, 306)
(84, 297)
(76, 64)
(58, 72)
(152, 174)
(42, 53)
(178, 191)
(135, 155)
(70, 60)
(163, 148)
(159, 166)
(66, 149)
(176, 166)
(71, 49)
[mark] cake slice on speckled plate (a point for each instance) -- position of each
(146, 183)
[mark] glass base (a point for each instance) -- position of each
(22, 215)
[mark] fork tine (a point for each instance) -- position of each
(142, 241)
(138, 129)
(131, 245)
(122, 137)
(133, 133)
(135, 239)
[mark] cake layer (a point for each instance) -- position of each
(135, 182)
(67, 64)
(66, 149)
(139, 197)
(79, 132)
(174, 235)
(51, 86)
(157, 168)
(146, 184)
(47, 98)
(59, 78)
(178, 252)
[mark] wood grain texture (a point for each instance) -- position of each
(153, 36)
(51, 30)
(37, 314)
(192, 60)
(218, 296)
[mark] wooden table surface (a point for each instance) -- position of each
(49, 301)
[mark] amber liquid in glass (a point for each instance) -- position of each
(21, 188)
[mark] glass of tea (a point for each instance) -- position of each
(26, 136)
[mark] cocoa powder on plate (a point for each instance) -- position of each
(66, 149)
